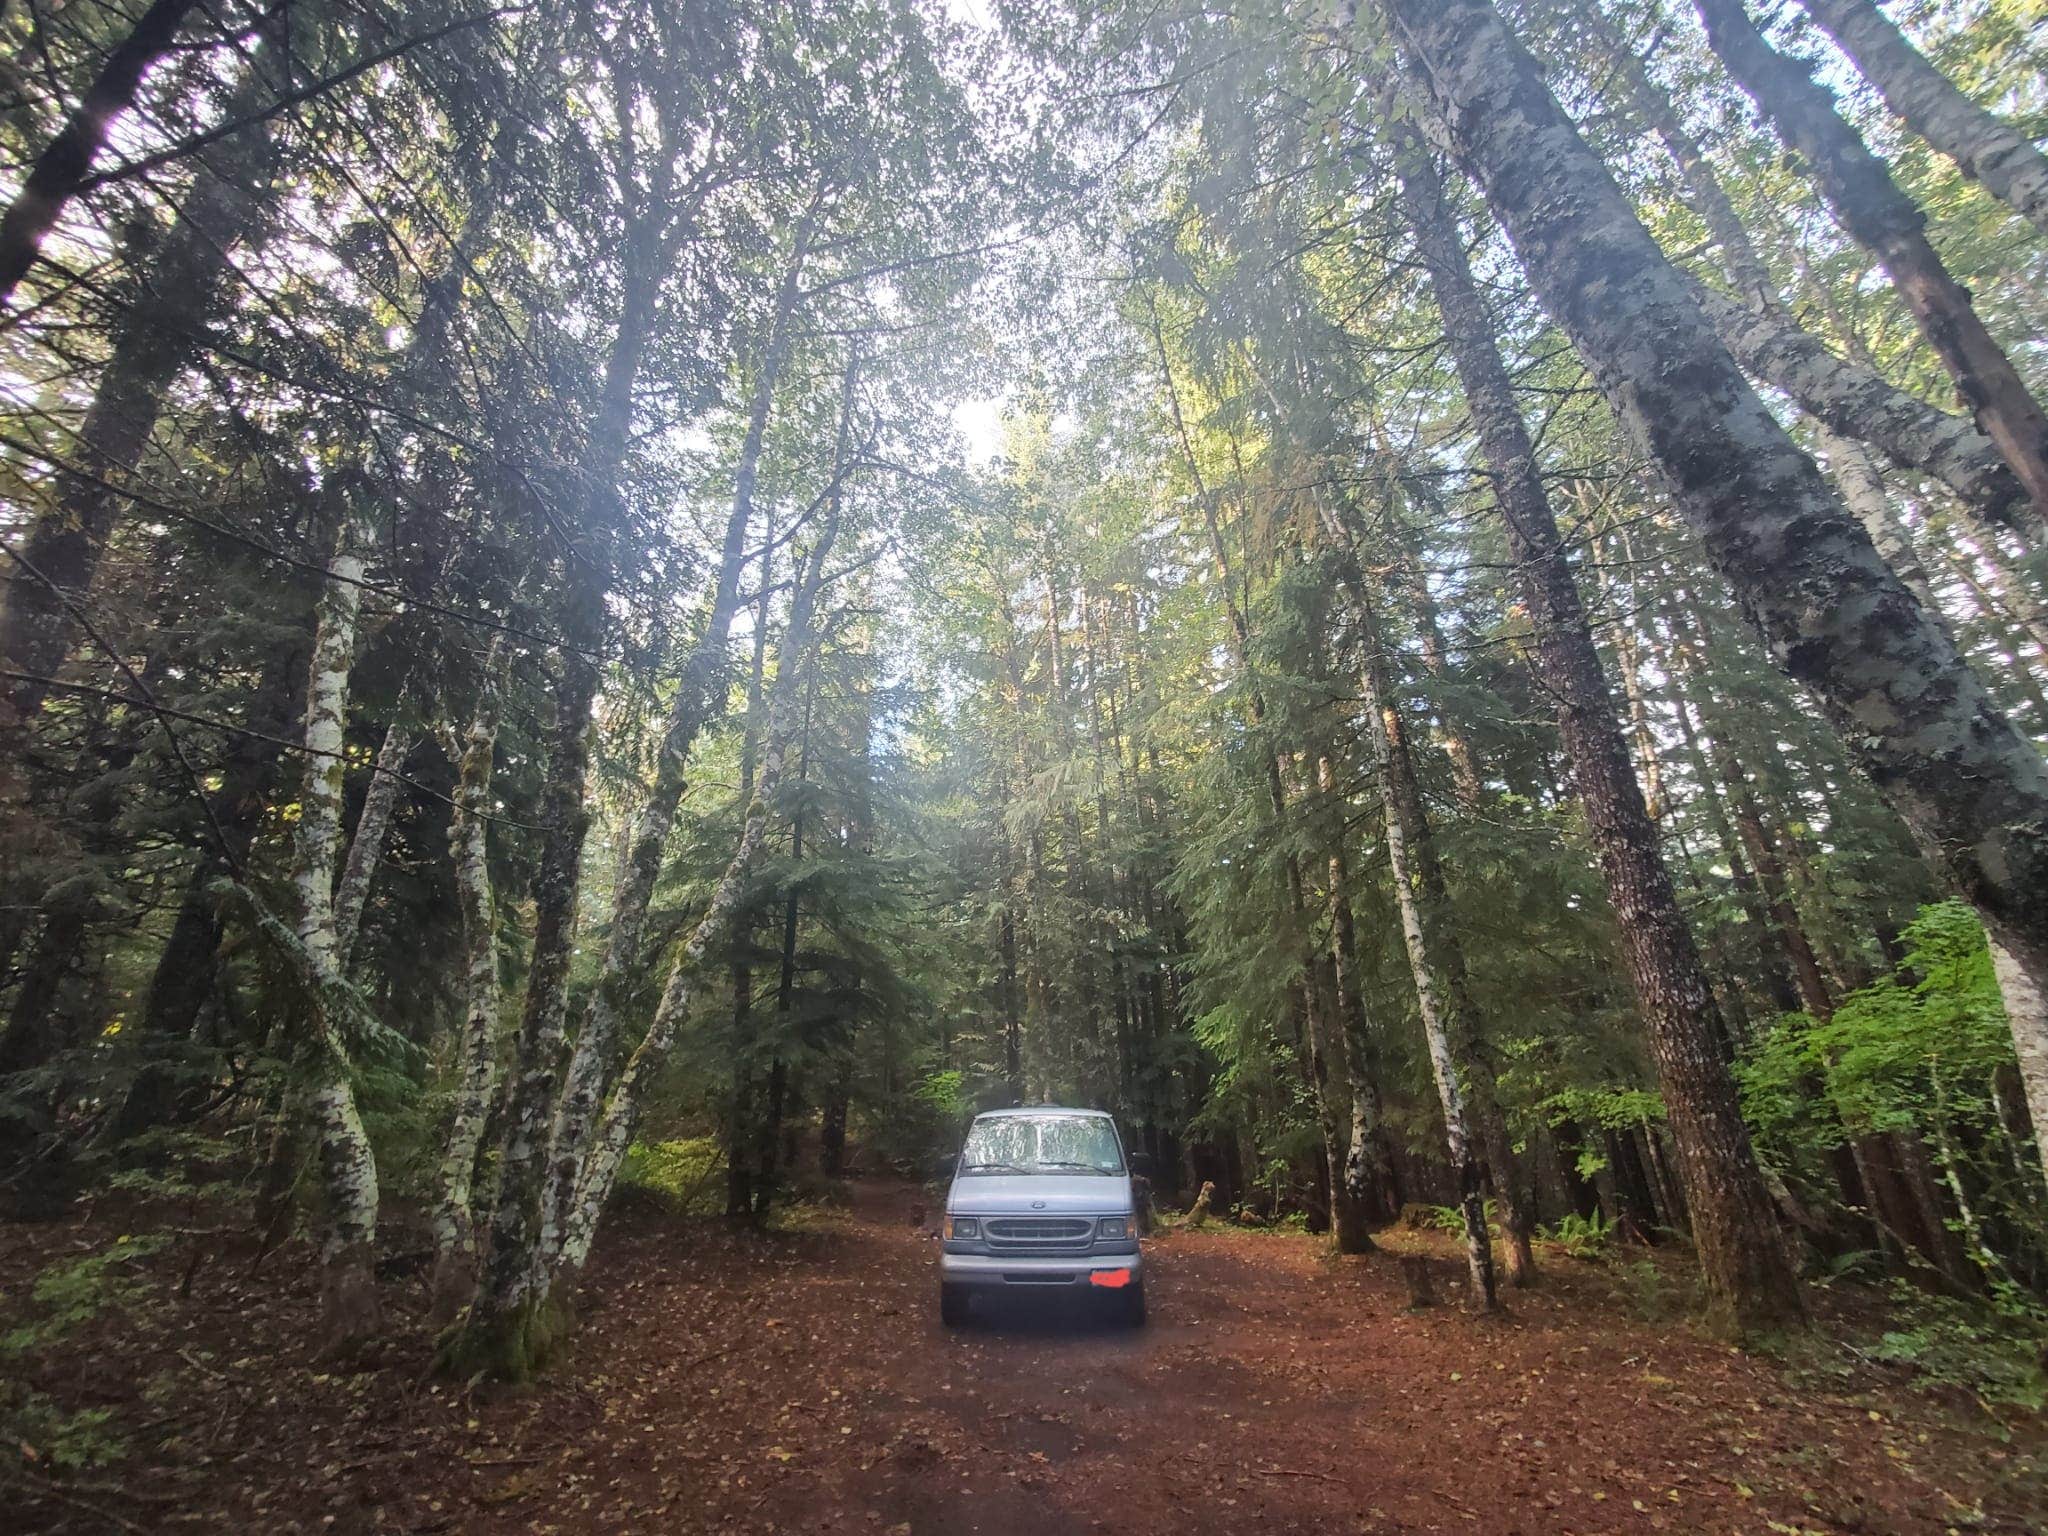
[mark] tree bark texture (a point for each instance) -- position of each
(1363, 1175)
(1920, 723)
(1882, 218)
(1473, 1124)
(476, 1063)
(348, 1167)
(508, 1327)
(1985, 148)
(1856, 401)
(366, 846)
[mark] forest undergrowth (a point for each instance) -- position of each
(799, 1379)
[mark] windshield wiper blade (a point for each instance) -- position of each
(992, 1168)
(1091, 1167)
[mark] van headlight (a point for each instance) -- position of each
(962, 1227)
(1114, 1226)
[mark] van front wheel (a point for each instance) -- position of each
(1134, 1305)
(952, 1305)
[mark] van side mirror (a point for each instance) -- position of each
(948, 1164)
(1141, 1164)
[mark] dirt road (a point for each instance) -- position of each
(803, 1382)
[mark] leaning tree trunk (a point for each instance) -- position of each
(1861, 486)
(700, 696)
(61, 169)
(348, 1167)
(1883, 219)
(1855, 400)
(614, 1132)
(1984, 147)
(366, 846)
(1850, 397)
(181, 291)
(476, 1062)
(1736, 1230)
(1972, 788)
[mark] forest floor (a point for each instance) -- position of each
(801, 1381)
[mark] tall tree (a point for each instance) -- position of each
(1974, 791)
(1732, 1217)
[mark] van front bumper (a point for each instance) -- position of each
(994, 1271)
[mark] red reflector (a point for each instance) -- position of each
(1113, 1279)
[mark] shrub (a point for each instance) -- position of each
(681, 1177)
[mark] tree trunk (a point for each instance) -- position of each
(1744, 1263)
(1635, 1204)
(1566, 1141)
(1814, 997)
(1883, 219)
(61, 170)
(700, 696)
(1465, 778)
(157, 332)
(832, 1136)
(366, 846)
(510, 1325)
(1850, 396)
(1364, 1170)
(1778, 985)
(1986, 149)
(2023, 983)
(1626, 641)
(476, 1065)
(1473, 1124)
(1337, 1122)
(740, 1140)
(1862, 488)
(185, 973)
(1855, 400)
(1972, 788)
(767, 1161)
(2008, 618)
(348, 1167)
(621, 1114)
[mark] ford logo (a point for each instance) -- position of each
(1038, 1205)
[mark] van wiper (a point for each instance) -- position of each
(992, 1168)
(1091, 1167)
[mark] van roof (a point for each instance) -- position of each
(1041, 1109)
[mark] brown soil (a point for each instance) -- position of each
(802, 1382)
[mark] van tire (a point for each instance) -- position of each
(1133, 1303)
(953, 1306)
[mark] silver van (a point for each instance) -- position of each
(1041, 1200)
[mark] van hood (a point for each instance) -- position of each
(1004, 1194)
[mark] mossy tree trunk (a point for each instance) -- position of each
(1974, 790)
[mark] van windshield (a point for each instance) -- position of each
(1042, 1144)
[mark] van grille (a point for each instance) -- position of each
(1039, 1234)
